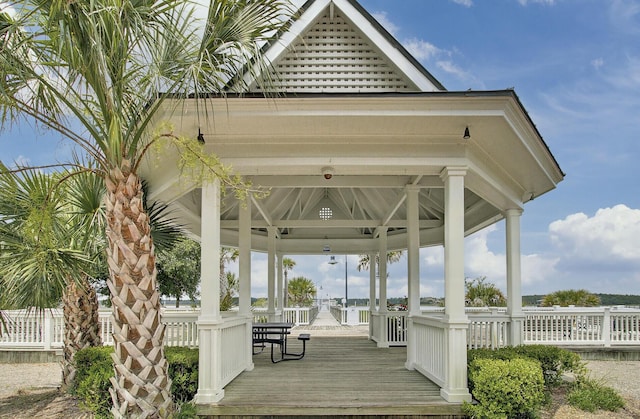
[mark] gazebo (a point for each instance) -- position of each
(363, 151)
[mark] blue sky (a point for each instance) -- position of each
(575, 64)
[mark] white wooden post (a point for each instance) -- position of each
(244, 297)
(271, 272)
(244, 253)
(606, 327)
(383, 342)
(280, 287)
(47, 330)
(413, 270)
(210, 357)
(455, 319)
(514, 279)
(372, 291)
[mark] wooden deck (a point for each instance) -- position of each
(339, 376)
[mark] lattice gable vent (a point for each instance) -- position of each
(333, 56)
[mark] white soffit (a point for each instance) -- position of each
(336, 46)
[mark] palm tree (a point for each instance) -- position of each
(287, 265)
(51, 240)
(480, 293)
(301, 291)
(365, 260)
(227, 255)
(229, 290)
(105, 63)
(564, 298)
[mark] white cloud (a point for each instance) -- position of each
(597, 63)
(625, 15)
(451, 68)
(382, 18)
(480, 261)
(422, 50)
(547, 2)
(609, 238)
(466, 3)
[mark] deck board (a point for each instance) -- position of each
(348, 376)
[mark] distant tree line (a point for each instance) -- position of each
(605, 299)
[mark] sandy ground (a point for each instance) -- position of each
(31, 391)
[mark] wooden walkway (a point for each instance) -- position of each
(339, 376)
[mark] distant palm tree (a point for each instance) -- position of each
(228, 290)
(227, 255)
(365, 260)
(287, 265)
(564, 298)
(480, 293)
(301, 291)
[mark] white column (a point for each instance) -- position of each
(244, 253)
(382, 256)
(454, 242)
(383, 341)
(372, 281)
(280, 285)
(210, 359)
(372, 291)
(271, 272)
(210, 252)
(514, 278)
(413, 249)
(413, 270)
(455, 320)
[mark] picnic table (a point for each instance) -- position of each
(275, 333)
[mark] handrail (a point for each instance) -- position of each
(488, 327)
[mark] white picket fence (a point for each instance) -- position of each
(488, 328)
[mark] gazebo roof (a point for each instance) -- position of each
(355, 104)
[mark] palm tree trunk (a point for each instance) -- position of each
(141, 387)
(81, 324)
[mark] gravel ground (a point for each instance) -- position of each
(29, 391)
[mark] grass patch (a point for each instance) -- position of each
(591, 395)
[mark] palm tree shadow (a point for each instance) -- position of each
(40, 402)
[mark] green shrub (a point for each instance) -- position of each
(187, 411)
(95, 367)
(91, 384)
(505, 388)
(590, 395)
(183, 370)
(554, 361)
(89, 359)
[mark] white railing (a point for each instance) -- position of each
(488, 328)
(355, 315)
(29, 329)
(296, 315)
(235, 333)
(339, 314)
(597, 326)
(430, 337)
(389, 328)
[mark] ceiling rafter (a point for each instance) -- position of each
(262, 211)
(314, 198)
